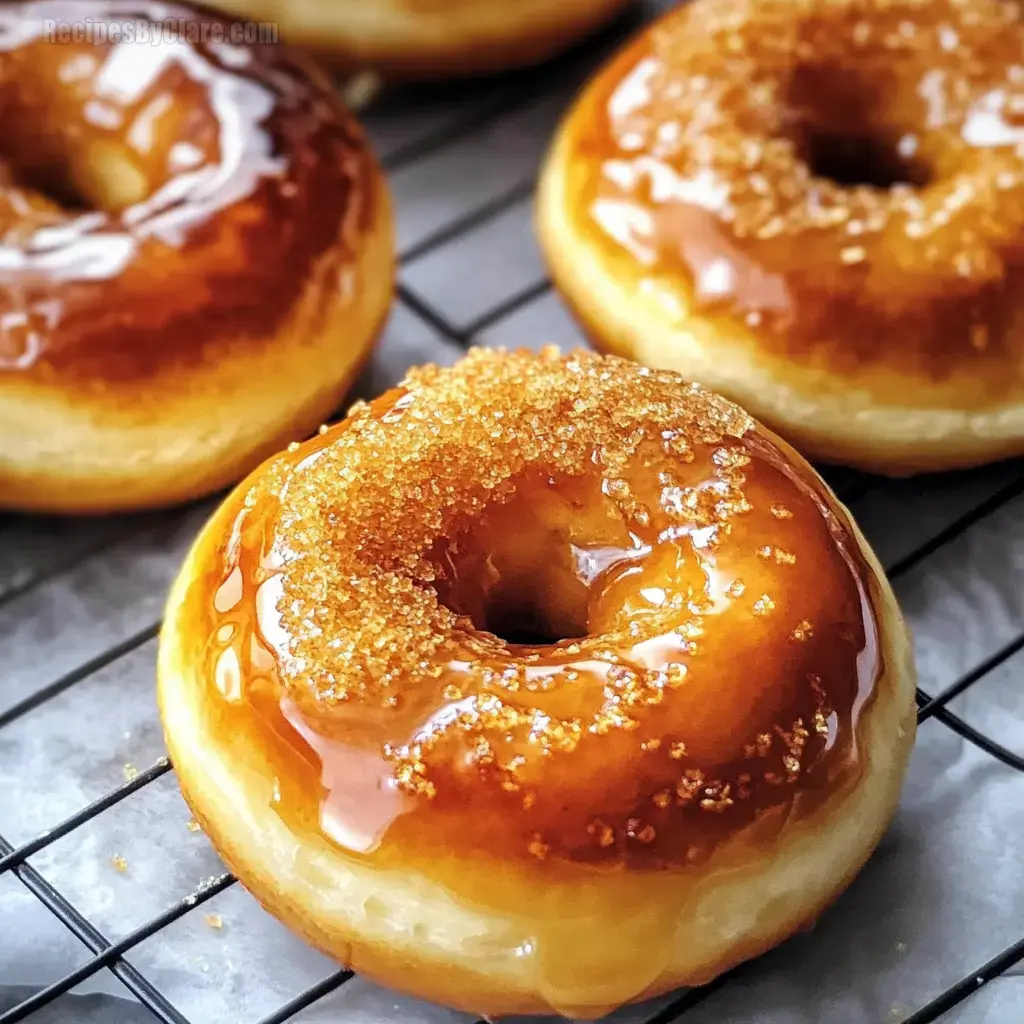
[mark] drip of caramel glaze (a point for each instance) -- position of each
(842, 179)
(721, 641)
(163, 195)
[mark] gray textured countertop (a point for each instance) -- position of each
(79, 607)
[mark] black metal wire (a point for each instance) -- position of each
(515, 92)
(76, 675)
(93, 939)
(115, 796)
(929, 706)
(447, 136)
(968, 732)
(934, 704)
(967, 986)
(427, 313)
(512, 304)
(480, 215)
(107, 955)
(959, 526)
(110, 956)
(309, 997)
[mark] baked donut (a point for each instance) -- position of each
(195, 252)
(816, 208)
(538, 684)
(431, 39)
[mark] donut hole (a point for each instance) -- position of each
(108, 178)
(73, 174)
(845, 133)
(47, 182)
(852, 160)
(520, 610)
(522, 589)
(72, 141)
(524, 570)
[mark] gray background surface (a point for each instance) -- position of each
(80, 602)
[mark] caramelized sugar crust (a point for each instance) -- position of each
(558, 609)
(842, 179)
(157, 201)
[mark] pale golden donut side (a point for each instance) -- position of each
(856, 420)
(194, 431)
(441, 39)
(402, 929)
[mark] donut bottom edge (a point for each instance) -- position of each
(478, 39)
(858, 421)
(404, 931)
(197, 429)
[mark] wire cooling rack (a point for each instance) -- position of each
(114, 908)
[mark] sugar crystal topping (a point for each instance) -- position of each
(361, 520)
(703, 614)
(719, 112)
(843, 178)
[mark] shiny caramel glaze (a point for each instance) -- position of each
(160, 202)
(843, 180)
(701, 634)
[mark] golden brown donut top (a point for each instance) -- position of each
(164, 192)
(843, 178)
(433, 7)
(558, 610)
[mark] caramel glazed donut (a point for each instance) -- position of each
(815, 207)
(195, 254)
(432, 38)
(538, 684)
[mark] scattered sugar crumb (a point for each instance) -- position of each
(901, 947)
(214, 921)
(360, 90)
(193, 826)
(130, 772)
(119, 863)
(207, 883)
(538, 848)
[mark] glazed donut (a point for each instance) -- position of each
(431, 39)
(195, 252)
(816, 208)
(538, 684)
